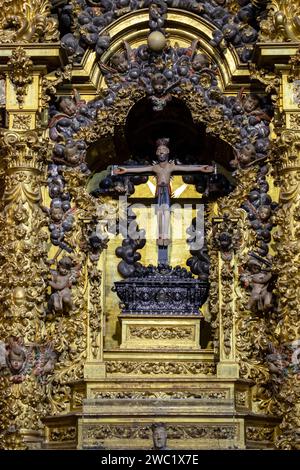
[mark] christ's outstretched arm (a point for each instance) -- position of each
(121, 170)
(194, 168)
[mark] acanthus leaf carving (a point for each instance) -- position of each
(27, 21)
(282, 22)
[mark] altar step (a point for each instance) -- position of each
(198, 414)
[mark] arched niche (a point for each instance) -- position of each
(136, 138)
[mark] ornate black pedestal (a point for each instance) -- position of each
(163, 291)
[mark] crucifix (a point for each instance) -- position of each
(163, 171)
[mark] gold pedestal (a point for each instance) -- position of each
(160, 333)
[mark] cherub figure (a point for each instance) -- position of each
(258, 280)
(16, 359)
(159, 91)
(63, 279)
(119, 62)
(161, 97)
(252, 107)
(116, 73)
(61, 124)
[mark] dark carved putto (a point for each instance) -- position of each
(163, 291)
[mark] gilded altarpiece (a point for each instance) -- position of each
(209, 350)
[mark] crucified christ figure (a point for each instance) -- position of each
(163, 171)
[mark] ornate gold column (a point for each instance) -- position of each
(26, 355)
(25, 358)
(288, 271)
(226, 237)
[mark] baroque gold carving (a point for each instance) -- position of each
(23, 149)
(270, 79)
(24, 236)
(99, 432)
(175, 395)
(63, 434)
(156, 368)
(95, 311)
(286, 160)
(285, 156)
(295, 121)
(259, 433)
(21, 121)
(226, 237)
(241, 398)
(109, 118)
(160, 333)
(282, 23)
(70, 332)
(20, 73)
(22, 410)
(27, 21)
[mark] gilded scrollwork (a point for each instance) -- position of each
(241, 398)
(282, 22)
(63, 434)
(28, 358)
(174, 395)
(160, 333)
(94, 433)
(295, 121)
(259, 433)
(226, 238)
(70, 327)
(30, 21)
(284, 365)
(294, 71)
(165, 368)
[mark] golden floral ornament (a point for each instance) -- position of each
(20, 73)
(27, 21)
(282, 22)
